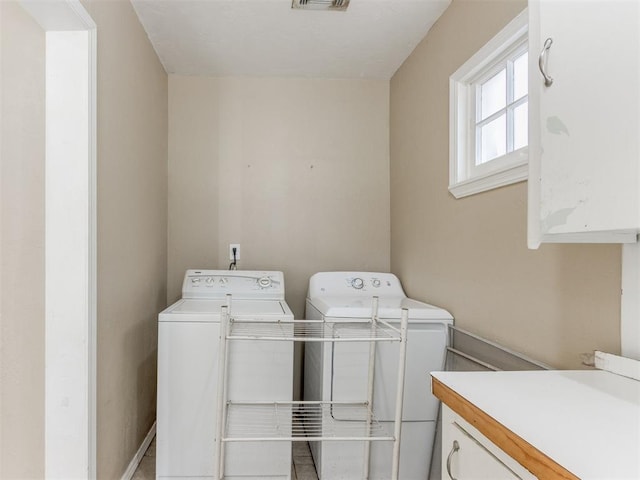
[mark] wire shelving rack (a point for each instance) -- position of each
(290, 421)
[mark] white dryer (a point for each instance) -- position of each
(338, 372)
(188, 343)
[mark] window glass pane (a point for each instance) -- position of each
(494, 94)
(493, 139)
(520, 79)
(521, 126)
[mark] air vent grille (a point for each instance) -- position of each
(338, 5)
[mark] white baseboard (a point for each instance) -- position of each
(137, 458)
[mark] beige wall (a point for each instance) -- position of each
(469, 255)
(193, 178)
(295, 170)
(21, 244)
(132, 230)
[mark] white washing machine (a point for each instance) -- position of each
(188, 343)
(338, 372)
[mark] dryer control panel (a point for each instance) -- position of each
(241, 284)
(354, 283)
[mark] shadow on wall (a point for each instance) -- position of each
(140, 380)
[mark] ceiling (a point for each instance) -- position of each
(269, 38)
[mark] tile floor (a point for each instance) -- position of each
(302, 468)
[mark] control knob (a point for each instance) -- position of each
(264, 282)
(357, 283)
(195, 280)
(375, 282)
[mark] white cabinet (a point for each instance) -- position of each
(467, 454)
(584, 127)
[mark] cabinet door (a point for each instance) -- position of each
(469, 455)
(584, 128)
(473, 461)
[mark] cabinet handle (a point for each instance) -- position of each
(454, 449)
(542, 62)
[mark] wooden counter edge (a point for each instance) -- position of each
(517, 448)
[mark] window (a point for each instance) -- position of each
(489, 114)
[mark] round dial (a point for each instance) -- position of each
(357, 283)
(264, 282)
(195, 280)
(375, 282)
(209, 279)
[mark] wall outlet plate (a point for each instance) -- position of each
(231, 247)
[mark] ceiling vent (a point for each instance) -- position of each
(339, 5)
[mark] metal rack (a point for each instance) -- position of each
(301, 421)
(309, 420)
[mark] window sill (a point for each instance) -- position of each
(498, 178)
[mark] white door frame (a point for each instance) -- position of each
(70, 237)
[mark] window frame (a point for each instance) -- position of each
(465, 177)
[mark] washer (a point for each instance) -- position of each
(338, 372)
(188, 344)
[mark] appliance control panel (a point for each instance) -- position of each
(354, 283)
(241, 284)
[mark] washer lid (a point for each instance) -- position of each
(388, 307)
(212, 309)
(192, 306)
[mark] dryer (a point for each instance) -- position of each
(188, 344)
(338, 372)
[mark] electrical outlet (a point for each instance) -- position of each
(231, 247)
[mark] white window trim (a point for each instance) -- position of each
(510, 168)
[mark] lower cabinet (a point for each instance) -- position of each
(467, 454)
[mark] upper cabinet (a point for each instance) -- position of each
(584, 121)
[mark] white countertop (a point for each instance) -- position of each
(587, 421)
